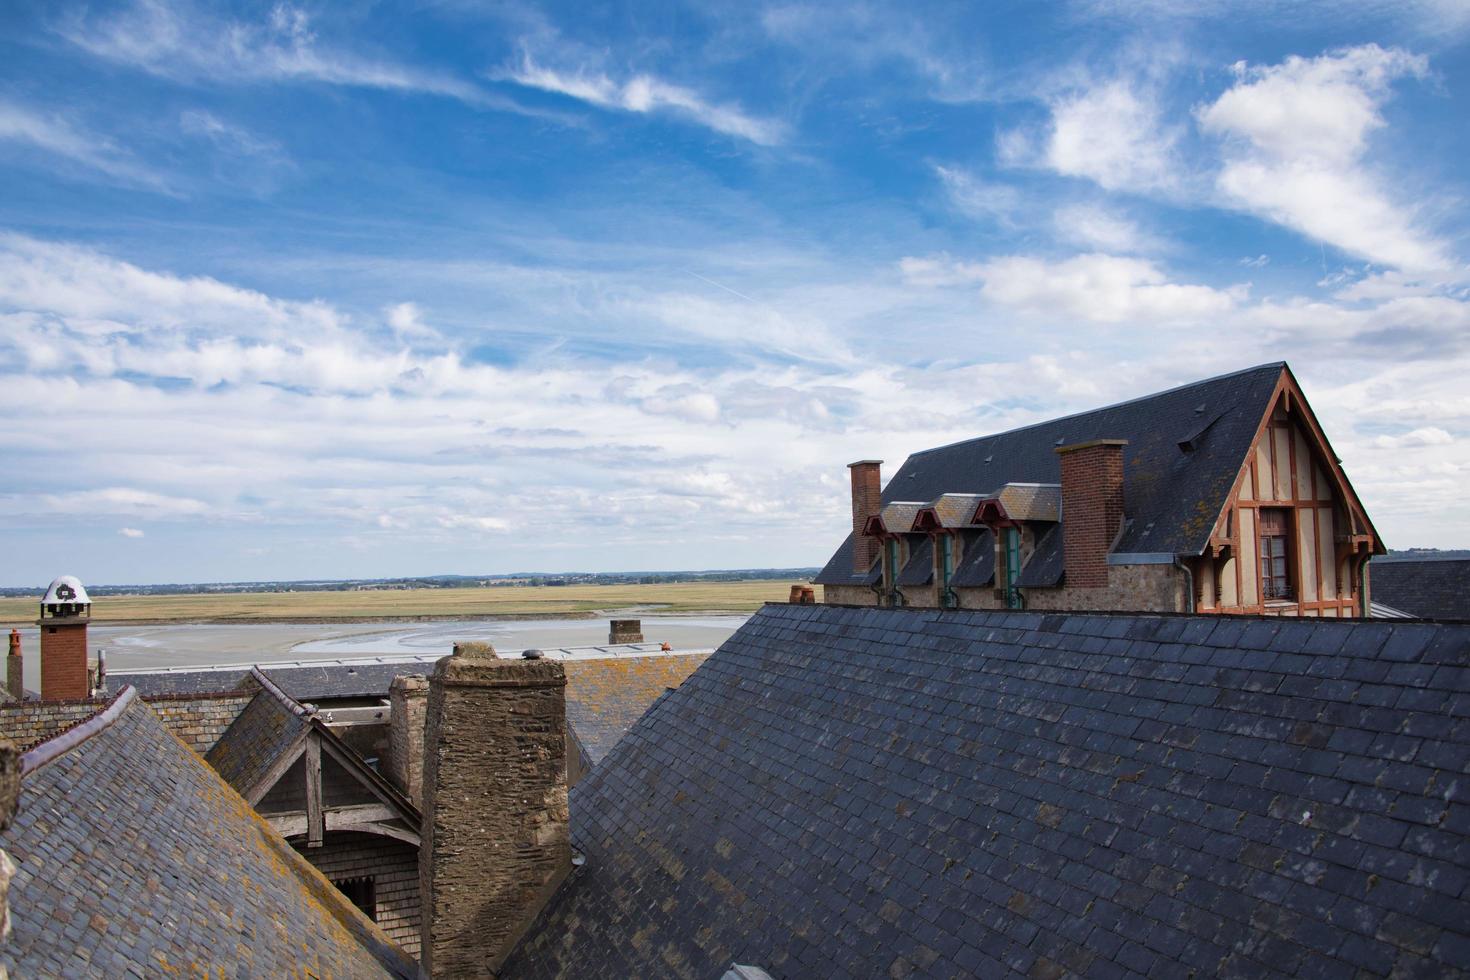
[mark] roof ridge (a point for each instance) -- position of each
(73, 735)
(1103, 408)
(269, 686)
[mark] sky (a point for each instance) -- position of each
(314, 290)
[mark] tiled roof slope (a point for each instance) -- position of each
(847, 792)
(135, 859)
(605, 698)
(1170, 497)
(182, 682)
(269, 727)
(1436, 588)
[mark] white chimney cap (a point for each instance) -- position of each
(66, 589)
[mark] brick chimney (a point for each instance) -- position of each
(65, 611)
(495, 836)
(15, 682)
(1092, 508)
(867, 500)
(408, 699)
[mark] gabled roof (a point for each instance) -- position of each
(1430, 588)
(1166, 487)
(257, 750)
(271, 727)
(874, 792)
(134, 858)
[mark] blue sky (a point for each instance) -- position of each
(293, 291)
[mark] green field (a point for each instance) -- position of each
(528, 601)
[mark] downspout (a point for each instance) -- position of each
(1188, 583)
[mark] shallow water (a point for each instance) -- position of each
(186, 644)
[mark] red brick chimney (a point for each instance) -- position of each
(14, 673)
(867, 500)
(65, 611)
(1092, 508)
(495, 835)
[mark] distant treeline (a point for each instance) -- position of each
(1419, 554)
(514, 580)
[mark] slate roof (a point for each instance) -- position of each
(135, 859)
(977, 561)
(605, 698)
(269, 727)
(846, 792)
(919, 569)
(1172, 497)
(1432, 588)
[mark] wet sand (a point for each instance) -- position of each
(134, 647)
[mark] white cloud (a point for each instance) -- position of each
(1101, 288)
(130, 532)
(407, 322)
(111, 501)
(645, 94)
(979, 198)
(1431, 435)
(1296, 136)
(230, 137)
(1099, 227)
(55, 135)
(1113, 133)
(940, 270)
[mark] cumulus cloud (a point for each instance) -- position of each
(643, 94)
(1101, 288)
(1110, 132)
(1431, 435)
(130, 532)
(1296, 135)
(1100, 227)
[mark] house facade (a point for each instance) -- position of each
(1222, 496)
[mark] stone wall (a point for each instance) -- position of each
(26, 723)
(1130, 588)
(496, 840)
(199, 720)
(409, 700)
(849, 595)
(394, 867)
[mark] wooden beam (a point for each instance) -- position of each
(315, 825)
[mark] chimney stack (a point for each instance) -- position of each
(867, 500)
(65, 611)
(408, 699)
(15, 682)
(1092, 508)
(495, 835)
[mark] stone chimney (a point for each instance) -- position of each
(65, 611)
(1092, 508)
(15, 682)
(867, 500)
(495, 836)
(625, 631)
(408, 699)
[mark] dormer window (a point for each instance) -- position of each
(1275, 566)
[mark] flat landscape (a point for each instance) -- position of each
(412, 604)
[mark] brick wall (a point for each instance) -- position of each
(64, 660)
(867, 500)
(495, 806)
(394, 867)
(199, 720)
(1092, 509)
